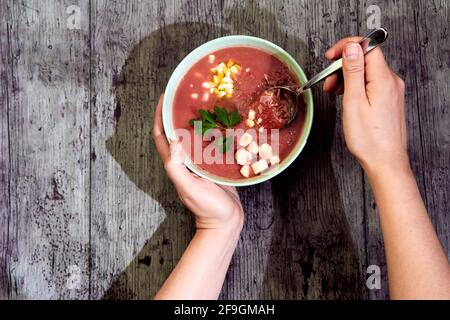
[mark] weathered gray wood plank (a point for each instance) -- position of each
(417, 51)
(308, 231)
(48, 120)
(5, 94)
(83, 191)
(139, 228)
(432, 93)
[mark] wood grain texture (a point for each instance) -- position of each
(47, 228)
(84, 193)
(309, 230)
(5, 94)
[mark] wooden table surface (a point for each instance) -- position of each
(86, 210)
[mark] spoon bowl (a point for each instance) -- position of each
(368, 43)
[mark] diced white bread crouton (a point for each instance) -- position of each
(225, 86)
(265, 151)
(258, 121)
(205, 97)
(245, 139)
(259, 166)
(243, 157)
(227, 80)
(245, 170)
(251, 114)
(253, 147)
(274, 160)
(250, 123)
(221, 68)
(261, 129)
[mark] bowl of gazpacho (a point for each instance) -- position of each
(223, 105)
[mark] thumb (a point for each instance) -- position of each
(176, 170)
(353, 71)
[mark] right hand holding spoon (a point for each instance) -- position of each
(373, 107)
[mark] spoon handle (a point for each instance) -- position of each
(368, 43)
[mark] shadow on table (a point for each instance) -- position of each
(137, 88)
(311, 253)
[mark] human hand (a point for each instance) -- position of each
(214, 206)
(373, 107)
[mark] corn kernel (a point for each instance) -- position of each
(234, 70)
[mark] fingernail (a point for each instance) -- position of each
(352, 51)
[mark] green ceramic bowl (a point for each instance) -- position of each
(226, 42)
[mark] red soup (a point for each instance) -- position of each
(244, 128)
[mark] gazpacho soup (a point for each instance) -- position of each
(230, 119)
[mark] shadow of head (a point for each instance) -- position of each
(137, 89)
(312, 255)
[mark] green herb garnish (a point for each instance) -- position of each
(227, 119)
(221, 119)
(207, 122)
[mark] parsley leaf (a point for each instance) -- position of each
(222, 116)
(228, 120)
(221, 119)
(235, 118)
(207, 116)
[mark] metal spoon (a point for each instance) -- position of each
(368, 43)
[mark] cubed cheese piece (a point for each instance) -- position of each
(265, 151)
(259, 166)
(245, 139)
(253, 147)
(243, 157)
(251, 114)
(274, 160)
(245, 170)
